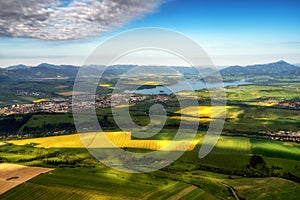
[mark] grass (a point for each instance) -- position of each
(244, 115)
(265, 188)
(232, 146)
(234, 153)
(230, 149)
(275, 149)
(253, 92)
(99, 182)
(253, 125)
(39, 120)
(82, 183)
(285, 164)
(15, 157)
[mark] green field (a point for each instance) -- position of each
(78, 175)
(287, 150)
(253, 92)
(265, 188)
(40, 120)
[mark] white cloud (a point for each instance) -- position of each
(68, 19)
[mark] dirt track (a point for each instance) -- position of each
(12, 175)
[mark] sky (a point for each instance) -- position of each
(232, 32)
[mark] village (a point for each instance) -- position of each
(292, 104)
(290, 136)
(64, 105)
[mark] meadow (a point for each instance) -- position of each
(78, 175)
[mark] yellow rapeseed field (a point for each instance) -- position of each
(203, 111)
(122, 106)
(118, 139)
(151, 83)
(207, 113)
(106, 85)
(40, 100)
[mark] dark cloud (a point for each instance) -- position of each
(64, 20)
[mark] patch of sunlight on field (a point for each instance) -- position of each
(150, 83)
(233, 145)
(61, 87)
(191, 119)
(210, 111)
(41, 100)
(106, 85)
(118, 139)
(261, 104)
(2, 144)
(70, 93)
(123, 106)
(66, 141)
(187, 94)
(267, 104)
(233, 112)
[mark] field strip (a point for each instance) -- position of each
(119, 140)
(183, 192)
(90, 194)
(2, 144)
(12, 175)
(70, 93)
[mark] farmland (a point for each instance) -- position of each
(94, 184)
(77, 175)
(74, 165)
(266, 188)
(119, 139)
(246, 113)
(13, 175)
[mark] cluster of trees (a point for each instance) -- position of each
(256, 168)
(62, 161)
(50, 128)
(16, 124)
(12, 124)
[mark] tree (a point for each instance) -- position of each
(257, 160)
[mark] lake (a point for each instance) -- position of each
(183, 86)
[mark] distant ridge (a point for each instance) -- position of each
(280, 68)
(15, 67)
(42, 71)
(46, 71)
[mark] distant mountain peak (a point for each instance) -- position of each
(20, 66)
(274, 69)
(281, 62)
(45, 65)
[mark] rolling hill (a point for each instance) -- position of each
(50, 71)
(280, 68)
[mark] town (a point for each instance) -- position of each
(64, 104)
(290, 136)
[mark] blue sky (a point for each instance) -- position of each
(231, 32)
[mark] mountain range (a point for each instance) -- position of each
(280, 68)
(46, 71)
